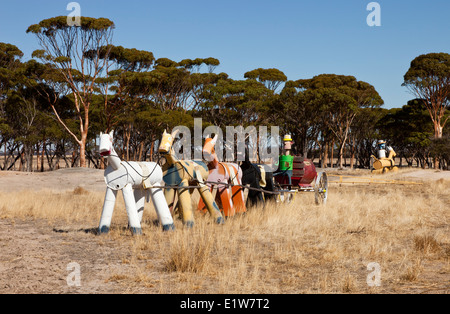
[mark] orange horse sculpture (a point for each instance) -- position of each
(230, 194)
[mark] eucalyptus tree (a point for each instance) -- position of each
(22, 110)
(235, 102)
(339, 99)
(123, 65)
(195, 65)
(199, 81)
(364, 132)
(428, 78)
(271, 78)
(409, 131)
(65, 47)
(10, 61)
(298, 115)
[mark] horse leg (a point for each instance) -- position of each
(162, 210)
(238, 199)
(185, 205)
(139, 196)
(169, 195)
(237, 191)
(202, 206)
(108, 210)
(227, 203)
(130, 205)
(211, 205)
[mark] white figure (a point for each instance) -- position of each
(383, 151)
(136, 181)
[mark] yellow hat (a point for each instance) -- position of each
(287, 138)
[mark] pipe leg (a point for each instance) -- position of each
(238, 199)
(201, 204)
(130, 205)
(108, 210)
(184, 202)
(162, 210)
(211, 205)
(169, 195)
(139, 196)
(227, 204)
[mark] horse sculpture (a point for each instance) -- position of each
(230, 193)
(136, 181)
(182, 174)
(259, 178)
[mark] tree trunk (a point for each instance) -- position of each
(127, 134)
(152, 148)
(38, 157)
(438, 133)
(42, 156)
(28, 156)
(5, 158)
(82, 156)
(21, 155)
(341, 155)
(332, 155)
(83, 149)
(304, 147)
(352, 158)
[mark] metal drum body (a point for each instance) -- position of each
(303, 172)
(310, 173)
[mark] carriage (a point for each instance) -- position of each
(296, 174)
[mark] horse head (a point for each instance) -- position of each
(106, 144)
(167, 141)
(209, 151)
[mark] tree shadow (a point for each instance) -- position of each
(93, 231)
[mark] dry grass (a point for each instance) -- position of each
(72, 207)
(296, 248)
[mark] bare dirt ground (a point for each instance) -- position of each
(37, 249)
(60, 180)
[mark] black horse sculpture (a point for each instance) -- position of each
(252, 175)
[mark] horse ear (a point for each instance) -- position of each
(165, 133)
(215, 139)
(111, 134)
(174, 133)
(101, 134)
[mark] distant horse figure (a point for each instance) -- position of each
(257, 176)
(136, 181)
(185, 173)
(230, 197)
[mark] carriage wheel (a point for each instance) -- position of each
(321, 188)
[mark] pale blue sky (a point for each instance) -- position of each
(303, 38)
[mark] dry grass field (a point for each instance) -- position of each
(48, 221)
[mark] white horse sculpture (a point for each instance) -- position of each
(136, 181)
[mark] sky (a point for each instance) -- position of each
(302, 38)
